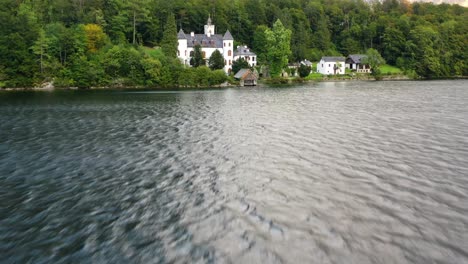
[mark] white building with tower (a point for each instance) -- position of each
(209, 42)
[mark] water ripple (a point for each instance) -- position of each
(358, 172)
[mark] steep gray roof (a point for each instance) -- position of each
(228, 36)
(333, 59)
(306, 63)
(214, 41)
(181, 34)
(243, 51)
(355, 58)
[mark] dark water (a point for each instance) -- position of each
(371, 172)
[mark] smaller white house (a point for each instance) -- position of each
(243, 52)
(331, 65)
(354, 62)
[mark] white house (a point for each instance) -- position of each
(243, 52)
(331, 65)
(209, 42)
(354, 62)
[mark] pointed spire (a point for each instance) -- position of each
(209, 20)
(181, 34)
(228, 36)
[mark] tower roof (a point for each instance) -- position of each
(228, 36)
(181, 35)
(209, 20)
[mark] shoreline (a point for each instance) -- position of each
(262, 83)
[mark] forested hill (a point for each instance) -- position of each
(84, 42)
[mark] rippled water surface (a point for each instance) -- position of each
(361, 172)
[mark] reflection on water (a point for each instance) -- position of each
(362, 172)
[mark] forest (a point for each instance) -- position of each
(84, 43)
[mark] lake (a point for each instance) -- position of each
(331, 172)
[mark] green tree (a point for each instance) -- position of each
(239, 64)
(375, 60)
(260, 43)
(169, 42)
(197, 59)
(40, 48)
(304, 71)
(278, 43)
(216, 61)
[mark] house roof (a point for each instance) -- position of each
(306, 63)
(243, 51)
(181, 35)
(228, 36)
(333, 59)
(245, 74)
(213, 41)
(355, 58)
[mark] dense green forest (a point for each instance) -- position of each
(110, 42)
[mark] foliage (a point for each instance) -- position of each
(239, 64)
(95, 37)
(278, 44)
(197, 60)
(216, 61)
(71, 41)
(374, 60)
(304, 71)
(169, 42)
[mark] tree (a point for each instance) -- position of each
(216, 61)
(239, 64)
(95, 36)
(304, 71)
(40, 49)
(278, 43)
(374, 60)
(197, 59)
(259, 43)
(169, 42)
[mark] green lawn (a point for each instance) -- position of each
(154, 52)
(388, 69)
(314, 76)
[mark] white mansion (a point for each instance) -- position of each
(209, 42)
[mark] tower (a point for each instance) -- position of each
(209, 27)
(228, 51)
(182, 47)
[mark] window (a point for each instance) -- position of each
(229, 44)
(229, 52)
(329, 65)
(225, 62)
(322, 65)
(253, 58)
(230, 62)
(224, 44)
(203, 54)
(185, 53)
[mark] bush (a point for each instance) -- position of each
(304, 71)
(217, 77)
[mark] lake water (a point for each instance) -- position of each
(356, 172)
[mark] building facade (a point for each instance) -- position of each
(354, 62)
(209, 42)
(243, 52)
(331, 65)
